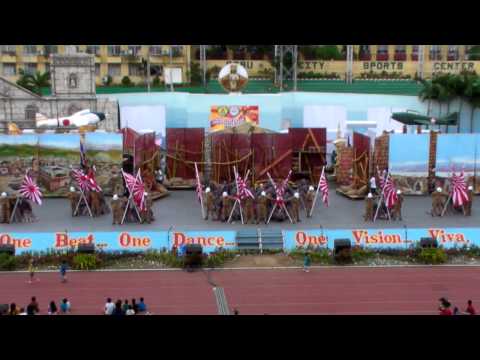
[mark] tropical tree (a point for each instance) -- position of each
(34, 82)
(472, 93)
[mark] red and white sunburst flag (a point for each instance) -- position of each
(390, 192)
(323, 184)
(243, 190)
(81, 179)
(136, 187)
(459, 189)
(30, 190)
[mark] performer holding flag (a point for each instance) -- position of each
(458, 192)
(199, 190)
(29, 191)
(323, 187)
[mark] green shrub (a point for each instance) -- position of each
(361, 254)
(7, 262)
(432, 256)
(86, 262)
(126, 81)
(156, 82)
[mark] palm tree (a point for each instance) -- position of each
(472, 93)
(34, 82)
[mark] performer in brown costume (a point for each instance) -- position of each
(438, 202)
(249, 209)
(397, 208)
(295, 207)
(147, 213)
(226, 206)
(210, 204)
(5, 208)
(468, 205)
(262, 207)
(309, 197)
(117, 209)
(95, 204)
(369, 208)
(74, 198)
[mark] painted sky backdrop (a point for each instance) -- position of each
(27, 139)
(60, 141)
(408, 154)
(104, 141)
(457, 150)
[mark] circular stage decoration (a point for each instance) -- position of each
(233, 77)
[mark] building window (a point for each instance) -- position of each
(93, 49)
(156, 50)
(177, 50)
(30, 49)
(135, 70)
(415, 52)
(9, 69)
(30, 68)
(114, 69)
(382, 52)
(31, 112)
(97, 69)
(9, 49)
(364, 53)
(134, 50)
(72, 81)
(435, 52)
(453, 53)
(51, 49)
(114, 50)
(400, 53)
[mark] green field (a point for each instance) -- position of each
(21, 151)
(113, 155)
(61, 153)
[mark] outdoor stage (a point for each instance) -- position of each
(333, 291)
(181, 210)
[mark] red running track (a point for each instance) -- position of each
(322, 291)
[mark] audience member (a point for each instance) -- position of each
(33, 308)
(125, 306)
(134, 305)
(109, 307)
(52, 308)
(142, 307)
(65, 306)
(13, 309)
(445, 307)
(117, 311)
(130, 310)
(470, 309)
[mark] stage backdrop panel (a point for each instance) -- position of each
(455, 152)
(321, 116)
(105, 150)
(228, 116)
(408, 162)
(18, 153)
(141, 118)
(58, 153)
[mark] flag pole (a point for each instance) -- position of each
(316, 193)
(201, 193)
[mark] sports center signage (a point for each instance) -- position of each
(119, 241)
(376, 238)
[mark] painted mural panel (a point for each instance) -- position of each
(105, 151)
(57, 154)
(18, 153)
(408, 162)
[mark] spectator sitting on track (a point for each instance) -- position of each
(109, 307)
(13, 309)
(470, 309)
(52, 308)
(125, 306)
(117, 311)
(134, 305)
(142, 307)
(445, 307)
(456, 311)
(65, 306)
(130, 310)
(33, 308)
